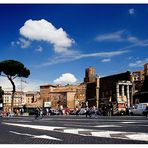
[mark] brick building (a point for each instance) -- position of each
(114, 88)
(90, 81)
(70, 96)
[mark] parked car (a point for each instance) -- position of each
(138, 109)
(72, 112)
(32, 112)
(54, 111)
(67, 111)
(145, 112)
(82, 111)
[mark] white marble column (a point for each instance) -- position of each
(117, 91)
(122, 87)
(128, 96)
(97, 91)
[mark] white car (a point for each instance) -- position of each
(138, 109)
(82, 111)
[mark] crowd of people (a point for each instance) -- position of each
(105, 110)
(38, 113)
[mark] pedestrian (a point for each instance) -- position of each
(77, 111)
(37, 112)
(41, 113)
(146, 111)
(17, 112)
(61, 109)
(47, 111)
(93, 112)
(109, 109)
(104, 110)
(87, 111)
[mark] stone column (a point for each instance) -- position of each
(128, 97)
(117, 90)
(97, 91)
(122, 90)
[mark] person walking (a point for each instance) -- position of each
(41, 113)
(146, 111)
(93, 112)
(47, 111)
(77, 111)
(61, 109)
(109, 109)
(37, 112)
(87, 111)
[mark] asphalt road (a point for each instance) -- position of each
(74, 130)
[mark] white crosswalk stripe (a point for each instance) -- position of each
(36, 136)
(89, 132)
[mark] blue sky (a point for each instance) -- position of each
(57, 42)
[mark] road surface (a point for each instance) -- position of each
(74, 130)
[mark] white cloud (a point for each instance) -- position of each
(131, 11)
(39, 49)
(12, 43)
(119, 36)
(76, 56)
(66, 78)
(31, 85)
(130, 58)
(42, 30)
(139, 63)
(23, 43)
(106, 60)
(133, 39)
(103, 54)
(5, 83)
(114, 36)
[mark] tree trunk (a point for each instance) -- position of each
(13, 93)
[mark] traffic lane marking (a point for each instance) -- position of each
(96, 133)
(36, 136)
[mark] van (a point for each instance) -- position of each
(138, 109)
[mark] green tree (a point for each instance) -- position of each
(13, 69)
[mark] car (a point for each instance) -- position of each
(67, 111)
(82, 111)
(32, 112)
(72, 112)
(54, 111)
(138, 109)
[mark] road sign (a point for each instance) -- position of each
(47, 104)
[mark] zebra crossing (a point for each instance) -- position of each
(141, 136)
